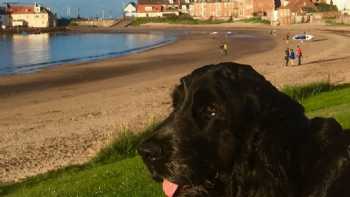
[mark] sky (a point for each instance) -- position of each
(96, 8)
(341, 3)
(87, 8)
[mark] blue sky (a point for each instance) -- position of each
(92, 8)
(87, 8)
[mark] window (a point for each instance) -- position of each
(148, 8)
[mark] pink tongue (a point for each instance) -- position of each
(169, 188)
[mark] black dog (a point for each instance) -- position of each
(233, 134)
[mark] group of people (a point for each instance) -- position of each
(291, 56)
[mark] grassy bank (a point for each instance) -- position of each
(255, 20)
(124, 178)
(325, 100)
(118, 171)
(190, 21)
(335, 104)
(174, 20)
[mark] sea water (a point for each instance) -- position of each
(27, 53)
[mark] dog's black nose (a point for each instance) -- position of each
(150, 151)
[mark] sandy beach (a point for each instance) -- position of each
(66, 114)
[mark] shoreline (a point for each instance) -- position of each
(33, 30)
(65, 115)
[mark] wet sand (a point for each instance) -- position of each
(64, 115)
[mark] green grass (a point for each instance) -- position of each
(118, 170)
(189, 20)
(255, 20)
(128, 177)
(174, 20)
(324, 100)
(335, 104)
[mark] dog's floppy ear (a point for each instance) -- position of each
(325, 130)
(179, 92)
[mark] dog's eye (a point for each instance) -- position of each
(206, 108)
(211, 110)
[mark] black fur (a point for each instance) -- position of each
(233, 134)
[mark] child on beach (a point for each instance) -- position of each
(286, 56)
(224, 48)
(299, 54)
(292, 57)
(287, 37)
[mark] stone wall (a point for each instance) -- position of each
(96, 23)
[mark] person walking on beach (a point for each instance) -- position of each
(292, 57)
(299, 54)
(225, 48)
(287, 37)
(286, 56)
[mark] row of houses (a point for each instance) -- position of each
(277, 11)
(20, 15)
(195, 8)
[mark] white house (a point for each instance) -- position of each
(130, 10)
(35, 16)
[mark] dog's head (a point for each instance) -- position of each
(219, 112)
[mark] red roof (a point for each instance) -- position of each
(20, 9)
